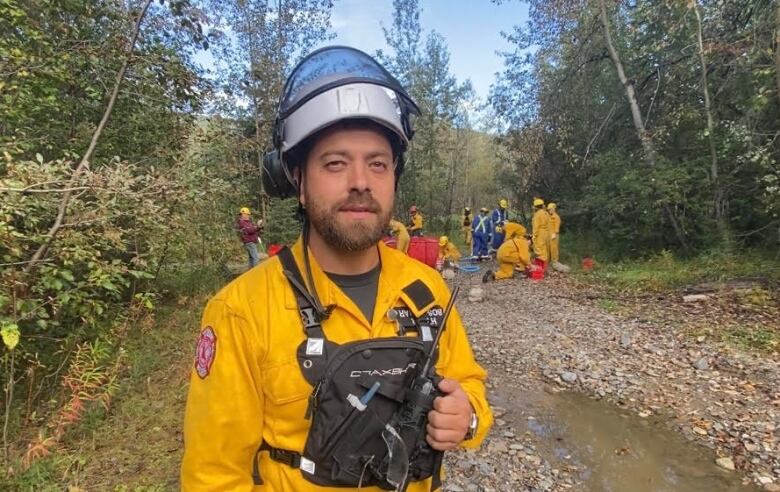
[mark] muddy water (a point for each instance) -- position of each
(616, 451)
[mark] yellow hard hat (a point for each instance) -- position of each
(538, 202)
(503, 203)
(551, 206)
(443, 240)
(245, 210)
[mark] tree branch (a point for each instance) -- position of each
(40, 253)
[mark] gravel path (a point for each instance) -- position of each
(537, 338)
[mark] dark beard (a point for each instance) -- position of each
(354, 237)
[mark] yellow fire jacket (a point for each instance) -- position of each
(541, 231)
(514, 251)
(513, 230)
(417, 222)
(555, 222)
(401, 234)
(249, 388)
(449, 252)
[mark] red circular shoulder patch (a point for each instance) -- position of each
(206, 351)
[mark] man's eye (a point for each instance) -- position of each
(335, 165)
(379, 165)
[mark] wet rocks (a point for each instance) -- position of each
(726, 463)
(476, 294)
(625, 340)
(702, 364)
(568, 377)
(532, 334)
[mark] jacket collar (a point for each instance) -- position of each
(394, 276)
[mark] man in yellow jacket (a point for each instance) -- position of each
(540, 227)
(265, 362)
(513, 255)
(555, 231)
(448, 253)
(401, 236)
(415, 221)
(513, 230)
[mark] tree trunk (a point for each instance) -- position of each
(636, 115)
(40, 253)
(256, 114)
(719, 195)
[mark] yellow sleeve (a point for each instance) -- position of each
(453, 252)
(456, 361)
(536, 225)
(223, 421)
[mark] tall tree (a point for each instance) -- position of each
(263, 39)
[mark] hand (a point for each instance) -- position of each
(554, 235)
(449, 420)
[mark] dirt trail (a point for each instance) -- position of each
(546, 353)
(537, 340)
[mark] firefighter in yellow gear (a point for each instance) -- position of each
(245, 423)
(415, 221)
(448, 252)
(513, 255)
(513, 230)
(540, 226)
(466, 226)
(555, 230)
(401, 235)
(254, 390)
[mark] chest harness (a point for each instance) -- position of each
(370, 399)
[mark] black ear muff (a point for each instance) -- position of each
(277, 181)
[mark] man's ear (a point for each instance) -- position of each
(298, 178)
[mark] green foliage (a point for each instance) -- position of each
(570, 137)
(283, 226)
(665, 270)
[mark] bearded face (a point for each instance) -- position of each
(348, 187)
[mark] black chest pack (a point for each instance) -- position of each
(370, 401)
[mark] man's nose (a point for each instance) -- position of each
(358, 176)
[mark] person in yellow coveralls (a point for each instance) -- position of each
(401, 235)
(415, 221)
(304, 363)
(555, 231)
(540, 227)
(513, 229)
(448, 253)
(466, 226)
(513, 254)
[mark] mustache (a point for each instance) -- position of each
(362, 200)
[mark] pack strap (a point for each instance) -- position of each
(289, 458)
(312, 314)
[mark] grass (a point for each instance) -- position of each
(137, 446)
(609, 305)
(754, 337)
(665, 271)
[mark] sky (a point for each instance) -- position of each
(472, 29)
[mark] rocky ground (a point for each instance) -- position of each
(539, 338)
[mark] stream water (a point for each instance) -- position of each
(616, 450)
